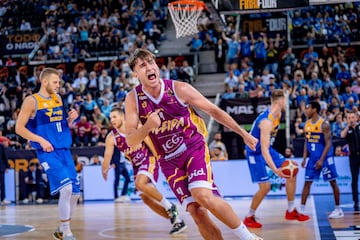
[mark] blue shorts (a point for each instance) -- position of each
(328, 170)
(257, 165)
(60, 169)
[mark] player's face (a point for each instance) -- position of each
(309, 111)
(282, 103)
(116, 119)
(52, 84)
(147, 71)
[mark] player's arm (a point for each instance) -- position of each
(72, 114)
(189, 95)
(305, 153)
(135, 134)
(327, 138)
(109, 151)
(26, 111)
(265, 136)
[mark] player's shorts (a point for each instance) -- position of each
(257, 165)
(328, 170)
(60, 169)
(149, 167)
(190, 170)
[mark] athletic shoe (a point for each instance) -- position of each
(255, 237)
(337, 213)
(123, 199)
(57, 235)
(5, 202)
(251, 222)
(26, 201)
(39, 200)
(173, 213)
(178, 228)
(69, 238)
(295, 215)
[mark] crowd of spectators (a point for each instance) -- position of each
(255, 66)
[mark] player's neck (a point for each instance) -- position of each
(44, 93)
(315, 118)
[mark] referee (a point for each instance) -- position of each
(352, 135)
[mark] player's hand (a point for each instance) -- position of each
(280, 173)
(46, 146)
(105, 169)
(318, 164)
(154, 120)
(73, 114)
(250, 141)
(303, 163)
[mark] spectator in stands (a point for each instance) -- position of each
(104, 80)
(94, 38)
(344, 77)
(355, 88)
(33, 183)
(310, 56)
(173, 69)
(195, 43)
(80, 82)
(328, 86)
(232, 81)
(242, 93)
(164, 72)
(233, 48)
(228, 93)
(299, 127)
(82, 132)
(186, 72)
(338, 125)
(260, 47)
(25, 26)
(100, 118)
(289, 152)
(288, 61)
(89, 106)
(220, 53)
(216, 155)
(351, 105)
(217, 142)
(272, 55)
(315, 83)
(106, 108)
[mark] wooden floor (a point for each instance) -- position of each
(132, 221)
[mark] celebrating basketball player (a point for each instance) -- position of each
(42, 120)
(265, 129)
(146, 170)
(319, 148)
(165, 110)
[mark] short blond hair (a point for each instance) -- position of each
(46, 72)
(140, 53)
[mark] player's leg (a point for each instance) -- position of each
(154, 205)
(258, 175)
(331, 176)
(206, 226)
(222, 211)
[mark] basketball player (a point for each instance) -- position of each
(265, 129)
(165, 110)
(145, 167)
(42, 120)
(319, 148)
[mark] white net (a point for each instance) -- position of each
(185, 17)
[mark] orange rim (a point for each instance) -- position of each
(189, 5)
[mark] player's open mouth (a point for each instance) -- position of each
(151, 76)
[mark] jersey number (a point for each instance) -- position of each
(59, 127)
(313, 147)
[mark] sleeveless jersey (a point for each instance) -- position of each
(136, 154)
(180, 128)
(50, 122)
(255, 130)
(315, 138)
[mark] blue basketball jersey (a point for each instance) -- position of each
(50, 122)
(255, 130)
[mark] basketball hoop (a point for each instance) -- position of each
(185, 14)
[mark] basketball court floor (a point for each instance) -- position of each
(96, 220)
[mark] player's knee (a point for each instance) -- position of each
(203, 198)
(197, 212)
(66, 191)
(140, 184)
(265, 188)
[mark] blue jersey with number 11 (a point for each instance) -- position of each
(50, 122)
